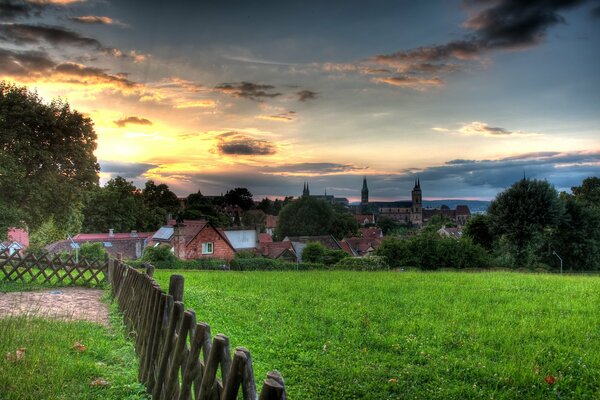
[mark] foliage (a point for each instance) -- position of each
(240, 197)
(201, 207)
(526, 214)
(45, 234)
(429, 251)
(305, 216)
(344, 224)
(160, 253)
(409, 335)
(313, 252)
(272, 207)
(160, 197)
(92, 251)
(437, 221)
(253, 219)
(387, 225)
(372, 263)
(577, 238)
(589, 190)
(268, 264)
(479, 229)
(47, 160)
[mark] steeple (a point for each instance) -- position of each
(364, 196)
(305, 192)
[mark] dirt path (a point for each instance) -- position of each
(69, 303)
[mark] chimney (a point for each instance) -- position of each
(111, 232)
(179, 240)
(134, 234)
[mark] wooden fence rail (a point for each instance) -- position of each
(178, 358)
(53, 270)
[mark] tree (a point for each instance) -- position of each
(588, 191)
(160, 196)
(344, 224)
(239, 197)
(577, 238)
(479, 229)
(113, 206)
(313, 252)
(437, 221)
(47, 162)
(305, 216)
(526, 215)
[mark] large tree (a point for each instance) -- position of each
(239, 197)
(525, 215)
(306, 216)
(47, 162)
(160, 196)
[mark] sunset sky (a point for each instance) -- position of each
(210, 95)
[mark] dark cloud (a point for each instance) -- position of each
(596, 12)
(495, 25)
(11, 10)
(459, 161)
(24, 63)
(93, 19)
(125, 169)
(281, 117)
(312, 168)
(248, 90)
(305, 95)
(39, 34)
(240, 144)
(121, 123)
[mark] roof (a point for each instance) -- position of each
(455, 233)
(371, 232)
(463, 210)
(264, 238)
(362, 246)
(326, 240)
(193, 227)
(99, 237)
(275, 250)
(347, 248)
(165, 233)
(13, 245)
(361, 218)
(242, 239)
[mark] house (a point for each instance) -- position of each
(242, 239)
(10, 247)
(130, 245)
(365, 219)
(371, 232)
(362, 247)
(279, 250)
(459, 215)
(455, 233)
(193, 239)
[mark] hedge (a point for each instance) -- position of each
(372, 263)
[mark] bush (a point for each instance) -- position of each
(313, 252)
(373, 263)
(158, 254)
(267, 264)
(92, 251)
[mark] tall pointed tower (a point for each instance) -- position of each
(417, 203)
(305, 191)
(364, 196)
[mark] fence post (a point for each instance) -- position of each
(150, 270)
(176, 287)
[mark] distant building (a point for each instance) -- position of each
(130, 245)
(455, 233)
(325, 197)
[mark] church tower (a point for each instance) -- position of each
(417, 203)
(364, 196)
(305, 191)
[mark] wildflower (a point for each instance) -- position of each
(79, 347)
(550, 380)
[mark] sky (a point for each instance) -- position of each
(211, 95)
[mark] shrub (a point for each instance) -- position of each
(373, 263)
(92, 251)
(313, 252)
(162, 254)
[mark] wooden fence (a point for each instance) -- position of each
(53, 270)
(178, 358)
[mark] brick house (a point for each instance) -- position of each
(200, 239)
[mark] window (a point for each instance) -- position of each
(207, 248)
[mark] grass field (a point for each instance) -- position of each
(51, 368)
(445, 335)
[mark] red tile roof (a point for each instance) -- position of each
(90, 237)
(264, 238)
(275, 249)
(361, 218)
(361, 246)
(372, 232)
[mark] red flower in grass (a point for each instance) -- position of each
(550, 380)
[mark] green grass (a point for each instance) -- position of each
(411, 335)
(53, 369)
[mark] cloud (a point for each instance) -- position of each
(10, 10)
(56, 2)
(312, 168)
(596, 12)
(305, 95)
(39, 34)
(24, 63)
(205, 103)
(121, 123)
(81, 74)
(125, 169)
(248, 90)
(94, 19)
(412, 82)
(240, 144)
(482, 129)
(288, 116)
